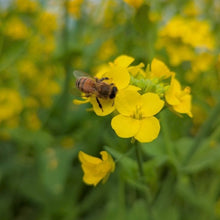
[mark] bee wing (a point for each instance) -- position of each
(77, 74)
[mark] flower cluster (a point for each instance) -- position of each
(142, 93)
(29, 29)
(183, 43)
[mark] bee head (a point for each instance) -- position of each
(113, 92)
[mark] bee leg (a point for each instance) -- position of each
(103, 78)
(99, 103)
(113, 102)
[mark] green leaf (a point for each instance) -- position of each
(204, 158)
(139, 211)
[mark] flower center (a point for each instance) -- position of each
(137, 114)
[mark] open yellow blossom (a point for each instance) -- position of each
(179, 99)
(136, 118)
(96, 169)
(159, 69)
(117, 73)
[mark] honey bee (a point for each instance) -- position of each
(94, 86)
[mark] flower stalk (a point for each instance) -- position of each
(139, 158)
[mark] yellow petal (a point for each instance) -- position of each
(135, 70)
(151, 104)
(101, 70)
(119, 76)
(173, 92)
(127, 100)
(159, 69)
(149, 130)
(107, 106)
(125, 127)
(85, 158)
(79, 102)
(123, 61)
(185, 105)
(106, 157)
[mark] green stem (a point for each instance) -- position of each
(203, 132)
(139, 158)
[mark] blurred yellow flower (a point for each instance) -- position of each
(199, 116)
(10, 103)
(107, 49)
(42, 45)
(184, 29)
(181, 40)
(202, 62)
(31, 103)
(32, 121)
(27, 69)
(135, 3)
(74, 7)
(179, 99)
(136, 115)
(26, 5)
(47, 23)
(44, 88)
(16, 29)
(67, 142)
(96, 169)
(191, 9)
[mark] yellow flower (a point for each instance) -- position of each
(179, 99)
(159, 69)
(136, 118)
(96, 169)
(135, 3)
(117, 73)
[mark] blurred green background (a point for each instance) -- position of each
(41, 131)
